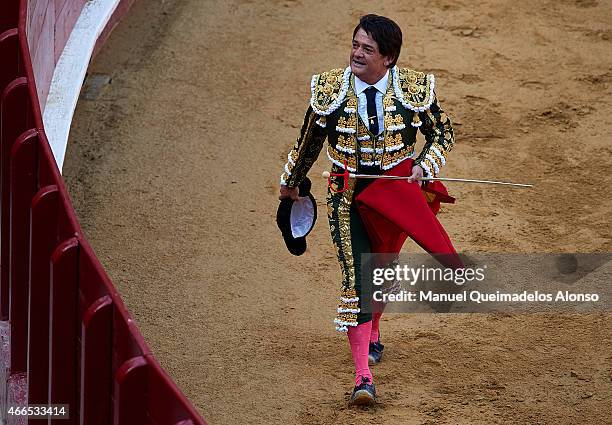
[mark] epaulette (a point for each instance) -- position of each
(414, 89)
(329, 90)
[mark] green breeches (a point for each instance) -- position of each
(350, 239)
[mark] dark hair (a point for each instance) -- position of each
(386, 33)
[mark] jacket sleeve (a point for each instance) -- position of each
(438, 131)
(306, 149)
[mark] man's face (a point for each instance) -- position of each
(366, 61)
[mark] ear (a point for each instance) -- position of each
(388, 61)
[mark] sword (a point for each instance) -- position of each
(327, 174)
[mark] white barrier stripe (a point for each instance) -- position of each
(70, 72)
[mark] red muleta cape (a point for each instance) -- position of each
(392, 210)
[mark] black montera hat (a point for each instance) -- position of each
(295, 219)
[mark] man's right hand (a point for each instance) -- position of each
(289, 192)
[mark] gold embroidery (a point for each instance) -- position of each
(347, 122)
(444, 151)
(416, 87)
(393, 141)
(346, 142)
(347, 318)
(326, 88)
(416, 120)
(349, 293)
(302, 145)
(344, 224)
(393, 120)
(341, 156)
(345, 245)
(362, 130)
(410, 76)
(429, 165)
(393, 157)
(367, 157)
(366, 144)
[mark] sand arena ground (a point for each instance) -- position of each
(173, 170)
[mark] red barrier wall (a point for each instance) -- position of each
(69, 330)
(48, 26)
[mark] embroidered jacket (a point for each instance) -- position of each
(409, 103)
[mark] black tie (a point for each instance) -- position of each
(372, 114)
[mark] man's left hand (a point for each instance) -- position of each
(417, 173)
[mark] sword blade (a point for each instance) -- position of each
(444, 179)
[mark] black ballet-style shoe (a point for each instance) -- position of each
(376, 352)
(364, 394)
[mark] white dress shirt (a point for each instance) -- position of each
(362, 107)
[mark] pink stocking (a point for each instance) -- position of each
(375, 335)
(359, 339)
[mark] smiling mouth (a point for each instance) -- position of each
(358, 63)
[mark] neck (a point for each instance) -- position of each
(375, 79)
